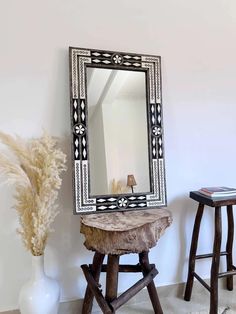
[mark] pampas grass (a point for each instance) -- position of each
(36, 176)
(117, 187)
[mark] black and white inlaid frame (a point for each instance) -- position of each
(80, 59)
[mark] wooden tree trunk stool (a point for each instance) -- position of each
(115, 234)
(217, 253)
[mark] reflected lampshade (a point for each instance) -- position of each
(131, 180)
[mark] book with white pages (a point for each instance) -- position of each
(218, 192)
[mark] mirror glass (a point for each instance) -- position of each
(117, 130)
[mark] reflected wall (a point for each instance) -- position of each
(118, 134)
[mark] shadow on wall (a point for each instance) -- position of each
(172, 252)
(184, 211)
(58, 109)
(65, 251)
(65, 248)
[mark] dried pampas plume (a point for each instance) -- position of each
(118, 187)
(36, 176)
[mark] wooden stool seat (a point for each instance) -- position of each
(115, 234)
(124, 232)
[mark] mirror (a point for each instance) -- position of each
(117, 138)
(117, 130)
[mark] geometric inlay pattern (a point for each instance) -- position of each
(80, 58)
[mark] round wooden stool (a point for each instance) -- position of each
(115, 234)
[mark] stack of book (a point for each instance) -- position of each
(218, 192)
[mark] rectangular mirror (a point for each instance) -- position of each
(117, 131)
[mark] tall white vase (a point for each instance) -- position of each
(41, 294)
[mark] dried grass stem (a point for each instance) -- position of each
(36, 175)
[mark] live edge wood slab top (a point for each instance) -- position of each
(124, 232)
(197, 196)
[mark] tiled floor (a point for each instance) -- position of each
(174, 304)
(178, 306)
(171, 300)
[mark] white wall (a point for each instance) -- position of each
(97, 156)
(126, 141)
(196, 40)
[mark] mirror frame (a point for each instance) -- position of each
(80, 59)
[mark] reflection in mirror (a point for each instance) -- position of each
(117, 130)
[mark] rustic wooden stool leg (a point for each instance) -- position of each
(216, 262)
(193, 250)
(229, 245)
(96, 270)
(112, 277)
(144, 262)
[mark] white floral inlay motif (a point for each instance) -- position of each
(117, 59)
(156, 130)
(122, 202)
(79, 129)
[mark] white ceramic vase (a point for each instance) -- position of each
(41, 294)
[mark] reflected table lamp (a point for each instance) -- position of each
(131, 182)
